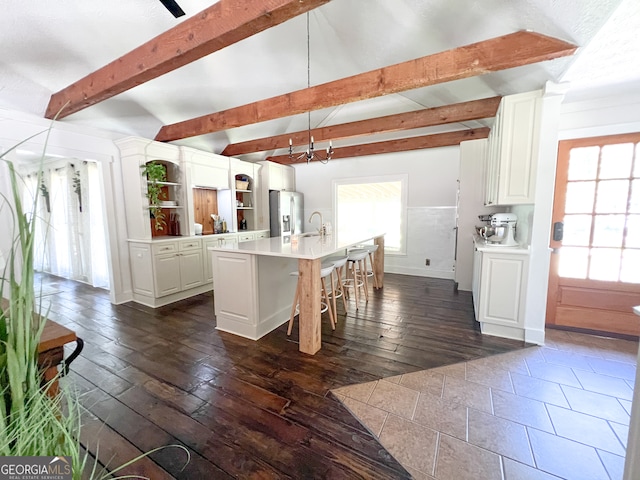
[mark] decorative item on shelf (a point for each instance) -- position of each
(242, 184)
(174, 224)
(243, 224)
(311, 153)
(155, 173)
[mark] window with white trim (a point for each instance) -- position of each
(373, 203)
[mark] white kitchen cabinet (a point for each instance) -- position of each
(204, 169)
(513, 150)
(165, 271)
(499, 290)
(136, 152)
(246, 236)
(275, 176)
(475, 280)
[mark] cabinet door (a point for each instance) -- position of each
(502, 292)
(276, 180)
(191, 271)
(288, 178)
(475, 282)
(141, 268)
(167, 274)
(519, 147)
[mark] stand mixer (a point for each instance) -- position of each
(504, 225)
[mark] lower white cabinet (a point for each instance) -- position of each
(499, 290)
(164, 271)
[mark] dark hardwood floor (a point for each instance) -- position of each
(245, 409)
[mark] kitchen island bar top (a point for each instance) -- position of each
(253, 290)
(304, 246)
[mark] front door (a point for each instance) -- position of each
(594, 276)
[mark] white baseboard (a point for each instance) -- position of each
(420, 272)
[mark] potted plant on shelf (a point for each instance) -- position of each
(155, 173)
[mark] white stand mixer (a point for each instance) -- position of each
(504, 224)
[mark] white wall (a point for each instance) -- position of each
(431, 199)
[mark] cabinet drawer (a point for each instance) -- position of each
(264, 234)
(193, 244)
(245, 237)
(161, 248)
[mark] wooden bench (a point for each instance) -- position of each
(51, 350)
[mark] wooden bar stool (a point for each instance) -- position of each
(371, 249)
(356, 273)
(336, 285)
(326, 271)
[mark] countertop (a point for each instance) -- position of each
(307, 247)
(483, 246)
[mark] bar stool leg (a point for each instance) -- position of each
(354, 274)
(326, 298)
(293, 308)
(375, 281)
(365, 281)
(342, 289)
(333, 295)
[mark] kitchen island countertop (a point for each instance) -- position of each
(304, 246)
(253, 288)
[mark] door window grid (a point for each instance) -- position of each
(602, 214)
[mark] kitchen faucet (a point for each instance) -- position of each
(321, 229)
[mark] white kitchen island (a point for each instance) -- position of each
(253, 288)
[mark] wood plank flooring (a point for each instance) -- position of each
(245, 409)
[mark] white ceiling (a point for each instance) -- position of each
(46, 45)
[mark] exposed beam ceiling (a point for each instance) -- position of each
(401, 145)
(508, 51)
(218, 26)
(459, 112)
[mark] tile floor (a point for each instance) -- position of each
(542, 413)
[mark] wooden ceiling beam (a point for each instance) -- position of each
(429, 117)
(401, 145)
(218, 26)
(508, 51)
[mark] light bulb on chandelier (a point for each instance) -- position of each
(311, 154)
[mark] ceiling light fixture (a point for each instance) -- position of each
(311, 153)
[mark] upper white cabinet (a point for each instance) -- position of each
(204, 169)
(275, 176)
(135, 153)
(513, 150)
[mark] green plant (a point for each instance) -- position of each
(32, 421)
(155, 172)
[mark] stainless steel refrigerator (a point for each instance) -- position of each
(285, 212)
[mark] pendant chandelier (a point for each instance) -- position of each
(310, 154)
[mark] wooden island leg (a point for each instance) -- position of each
(378, 261)
(309, 323)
